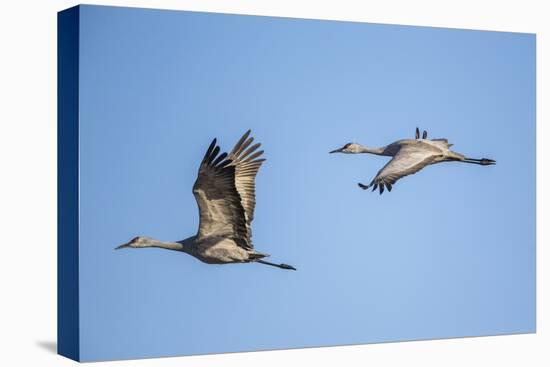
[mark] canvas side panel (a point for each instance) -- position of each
(67, 186)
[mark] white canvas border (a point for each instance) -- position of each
(28, 189)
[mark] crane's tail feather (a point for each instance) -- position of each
(256, 256)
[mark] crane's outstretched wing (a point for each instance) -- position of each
(222, 182)
(408, 160)
(245, 158)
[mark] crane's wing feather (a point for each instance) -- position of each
(407, 161)
(220, 210)
(225, 191)
(246, 159)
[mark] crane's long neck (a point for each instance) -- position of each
(176, 246)
(364, 149)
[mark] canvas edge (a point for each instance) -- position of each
(68, 330)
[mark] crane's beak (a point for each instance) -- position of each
(123, 246)
(339, 150)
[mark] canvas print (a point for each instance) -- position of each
(239, 183)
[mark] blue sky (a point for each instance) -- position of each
(449, 252)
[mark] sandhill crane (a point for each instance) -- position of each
(225, 194)
(409, 156)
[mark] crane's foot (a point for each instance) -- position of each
(286, 266)
(486, 162)
(280, 266)
(364, 187)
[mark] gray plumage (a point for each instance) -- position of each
(226, 197)
(409, 157)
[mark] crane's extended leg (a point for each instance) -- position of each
(281, 266)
